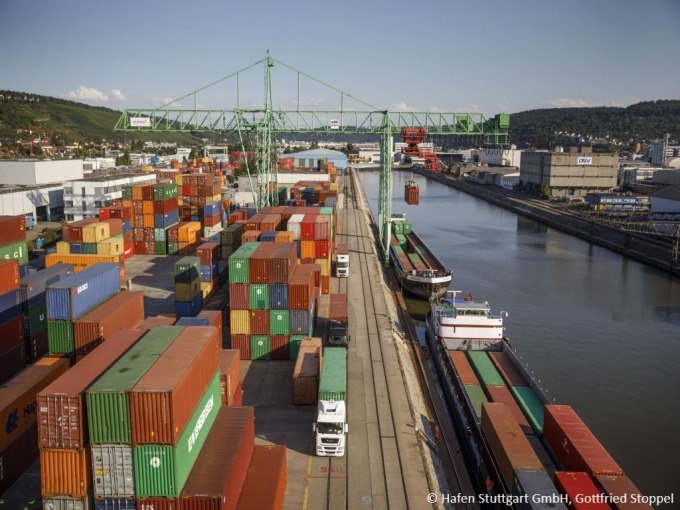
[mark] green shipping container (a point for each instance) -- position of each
(397, 228)
(260, 347)
(187, 269)
(159, 248)
(477, 397)
(161, 470)
(89, 248)
(108, 404)
(238, 263)
(294, 345)
(36, 320)
(126, 192)
(407, 227)
(532, 406)
(18, 251)
(60, 337)
(333, 383)
(279, 322)
(159, 234)
(164, 191)
(484, 368)
(173, 248)
(259, 296)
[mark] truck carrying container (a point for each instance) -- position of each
(265, 483)
(108, 404)
(18, 397)
(219, 473)
(165, 397)
(333, 382)
(338, 317)
(306, 372)
(161, 470)
(74, 296)
(62, 421)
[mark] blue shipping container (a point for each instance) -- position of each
(299, 322)
(209, 272)
(116, 504)
(23, 270)
(74, 296)
(165, 220)
(10, 305)
(212, 209)
(268, 236)
(76, 248)
(193, 321)
(188, 308)
(127, 227)
(278, 296)
(33, 287)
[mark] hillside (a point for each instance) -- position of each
(636, 123)
(69, 121)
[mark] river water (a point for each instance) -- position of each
(601, 332)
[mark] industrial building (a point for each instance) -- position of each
(36, 188)
(569, 173)
(316, 158)
(84, 197)
(665, 200)
(661, 152)
(500, 157)
(629, 177)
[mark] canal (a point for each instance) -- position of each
(601, 332)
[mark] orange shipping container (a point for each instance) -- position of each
(230, 369)
(148, 221)
(265, 483)
(307, 249)
(147, 207)
(18, 397)
(65, 472)
(79, 262)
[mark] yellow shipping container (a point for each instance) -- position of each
(113, 246)
(178, 178)
(284, 237)
(216, 198)
(334, 186)
(63, 248)
(17, 397)
(127, 204)
(96, 232)
(307, 249)
(325, 266)
(79, 262)
(239, 322)
(187, 232)
(187, 291)
(206, 289)
(147, 169)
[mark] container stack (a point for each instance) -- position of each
(13, 241)
(12, 345)
(188, 297)
(202, 202)
(230, 240)
(19, 436)
(34, 303)
(65, 461)
(154, 211)
(271, 298)
(125, 215)
(315, 193)
(71, 298)
(314, 234)
(92, 237)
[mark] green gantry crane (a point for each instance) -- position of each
(267, 121)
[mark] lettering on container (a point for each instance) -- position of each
(199, 424)
(82, 288)
(12, 421)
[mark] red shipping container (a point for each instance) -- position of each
(239, 298)
(322, 228)
(12, 229)
(236, 400)
(62, 421)
(301, 287)
(307, 228)
(230, 370)
(258, 263)
(322, 249)
(220, 471)
(215, 317)
(510, 373)
(208, 253)
(501, 395)
(11, 334)
(259, 322)
(172, 234)
(12, 362)
(250, 236)
(147, 192)
(212, 221)
(621, 486)
(157, 504)
(163, 400)
(573, 484)
(37, 347)
(242, 344)
(574, 444)
(325, 284)
(115, 226)
(73, 232)
(123, 311)
(464, 369)
(265, 484)
(280, 347)
(139, 247)
(281, 262)
(18, 457)
(165, 206)
(9, 274)
(152, 322)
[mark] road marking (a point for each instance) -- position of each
(305, 498)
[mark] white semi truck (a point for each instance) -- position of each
(331, 426)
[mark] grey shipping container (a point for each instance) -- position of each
(113, 471)
(539, 487)
(33, 286)
(59, 503)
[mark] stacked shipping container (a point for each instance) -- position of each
(201, 202)
(188, 297)
(12, 345)
(154, 216)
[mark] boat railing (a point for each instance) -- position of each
(528, 373)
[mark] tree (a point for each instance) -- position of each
(123, 160)
(314, 145)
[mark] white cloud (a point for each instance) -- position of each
(434, 109)
(116, 94)
(401, 106)
(88, 94)
(316, 101)
(566, 102)
(161, 101)
(474, 107)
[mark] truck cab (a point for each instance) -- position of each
(341, 261)
(330, 428)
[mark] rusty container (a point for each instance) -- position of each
(301, 287)
(265, 484)
(125, 310)
(241, 343)
(509, 372)
(164, 399)
(281, 263)
(61, 405)
(152, 322)
(230, 373)
(219, 473)
(258, 264)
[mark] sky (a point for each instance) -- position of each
(434, 55)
